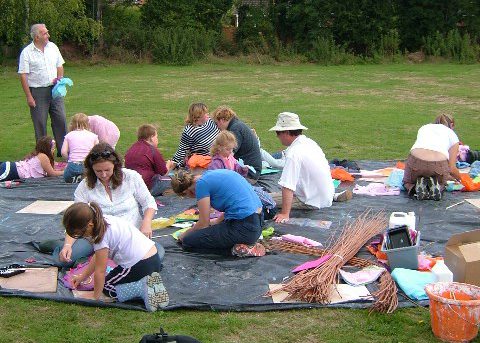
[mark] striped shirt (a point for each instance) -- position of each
(196, 140)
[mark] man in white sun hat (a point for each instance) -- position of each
(306, 180)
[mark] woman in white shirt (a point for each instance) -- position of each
(432, 159)
(118, 191)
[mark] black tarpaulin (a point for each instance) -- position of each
(201, 281)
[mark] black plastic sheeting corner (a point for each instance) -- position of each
(212, 282)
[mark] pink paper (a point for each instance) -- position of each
(312, 264)
(300, 240)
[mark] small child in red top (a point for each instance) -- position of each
(145, 158)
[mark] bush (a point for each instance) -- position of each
(255, 33)
(181, 46)
(325, 51)
(123, 30)
(452, 46)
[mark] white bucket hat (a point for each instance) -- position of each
(288, 121)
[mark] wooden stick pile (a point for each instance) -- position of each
(314, 285)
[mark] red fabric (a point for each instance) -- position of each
(400, 165)
(341, 174)
(146, 160)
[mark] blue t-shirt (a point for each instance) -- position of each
(229, 192)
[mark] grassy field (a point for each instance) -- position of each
(354, 112)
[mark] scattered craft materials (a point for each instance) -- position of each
(46, 207)
(313, 285)
(386, 299)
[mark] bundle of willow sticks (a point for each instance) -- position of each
(314, 285)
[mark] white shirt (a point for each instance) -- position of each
(436, 137)
(126, 245)
(127, 199)
(307, 173)
(40, 67)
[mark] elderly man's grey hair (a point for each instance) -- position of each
(35, 29)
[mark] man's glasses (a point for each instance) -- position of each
(98, 155)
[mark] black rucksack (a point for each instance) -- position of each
(162, 337)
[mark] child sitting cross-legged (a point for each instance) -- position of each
(138, 263)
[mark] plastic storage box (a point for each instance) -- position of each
(406, 257)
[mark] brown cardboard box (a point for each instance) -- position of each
(462, 257)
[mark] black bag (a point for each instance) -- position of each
(162, 337)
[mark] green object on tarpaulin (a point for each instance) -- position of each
(336, 183)
(268, 232)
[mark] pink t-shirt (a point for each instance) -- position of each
(80, 142)
(106, 130)
(31, 168)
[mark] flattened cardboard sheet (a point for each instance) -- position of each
(339, 293)
(46, 207)
(35, 280)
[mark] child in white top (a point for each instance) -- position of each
(77, 144)
(137, 273)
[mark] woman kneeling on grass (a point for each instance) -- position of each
(238, 229)
(36, 165)
(432, 159)
(137, 274)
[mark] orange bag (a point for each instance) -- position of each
(469, 185)
(341, 174)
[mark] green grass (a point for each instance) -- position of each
(355, 112)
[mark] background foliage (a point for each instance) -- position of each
(185, 31)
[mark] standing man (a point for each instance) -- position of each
(306, 179)
(40, 67)
(247, 144)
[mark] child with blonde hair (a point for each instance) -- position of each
(222, 154)
(77, 144)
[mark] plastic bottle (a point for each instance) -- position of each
(441, 272)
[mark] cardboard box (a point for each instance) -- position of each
(462, 257)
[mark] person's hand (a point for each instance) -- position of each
(170, 165)
(76, 281)
(66, 253)
(31, 101)
(146, 229)
(281, 218)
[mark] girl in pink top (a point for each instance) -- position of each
(105, 129)
(76, 146)
(37, 164)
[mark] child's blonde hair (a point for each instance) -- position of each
(223, 139)
(79, 122)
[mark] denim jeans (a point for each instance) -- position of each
(73, 172)
(220, 238)
(159, 185)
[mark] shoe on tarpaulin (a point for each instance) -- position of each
(154, 294)
(434, 189)
(244, 250)
(421, 188)
(343, 196)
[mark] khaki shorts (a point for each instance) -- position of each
(296, 203)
